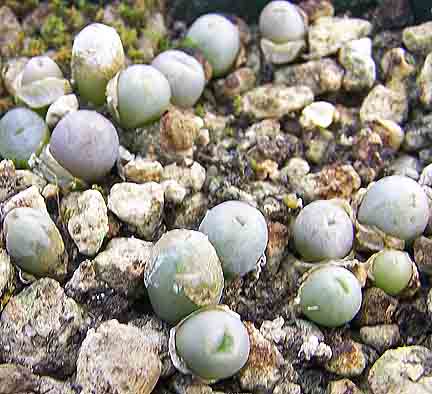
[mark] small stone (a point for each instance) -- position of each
(238, 82)
(384, 103)
(418, 38)
(60, 108)
(87, 220)
(392, 135)
(138, 205)
(314, 347)
(141, 170)
(29, 197)
(381, 337)
(186, 384)
(26, 178)
(319, 114)
(348, 359)
(328, 34)
(322, 76)
(7, 276)
(41, 329)
(117, 358)
(423, 254)
(278, 238)
(272, 101)
(316, 9)
(174, 192)
(11, 34)
(397, 65)
(8, 179)
(287, 388)
(343, 386)
(189, 214)
(360, 70)
(283, 53)
(11, 74)
(377, 308)
(406, 165)
(424, 82)
(191, 177)
(262, 370)
(405, 370)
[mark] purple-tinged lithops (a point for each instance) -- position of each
(22, 133)
(330, 295)
(323, 231)
(219, 39)
(184, 274)
(97, 56)
(138, 95)
(239, 234)
(40, 67)
(86, 144)
(396, 205)
(184, 74)
(211, 343)
(34, 243)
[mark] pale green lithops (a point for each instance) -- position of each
(323, 231)
(397, 205)
(42, 83)
(330, 296)
(22, 133)
(34, 243)
(185, 76)
(239, 234)
(184, 274)
(97, 56)
(391, 270)
(138, 95)
(218, 39)
(86, 144)
(281, 21)
(211, 343)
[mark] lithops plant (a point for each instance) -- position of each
(22, 133)
(330, 295)
(211, 343)
(218, 38)
(86, 144)
(34, 243)
(184, 74)
(239, 234)
(138, 95)
(184, 274)
(97, 56)
(393, 271)
(41, 83)
(323, 231)
(396, 205)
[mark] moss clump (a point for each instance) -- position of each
(54, 32)
(21, 7)
(34, 47)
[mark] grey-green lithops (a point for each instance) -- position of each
(322, 231)
(184, 274)
(40, 67)
(391, 270)
(184, 74)
(218, 39)
(397, 205)
(239, 234)
(22, 133)
(211, 343)
(281, 21)
(138, 95)
(330, 295)
(86, 144)
(97, 56)
(34, 243)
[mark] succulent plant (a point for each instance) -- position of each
(281, 21)
(40, 67)
(239, 234)
(86, 144)
(34, 243)
(184, 274)
(138, 95)
(22, 133)
(218, 39)
(97, 56)
(184, 74)
(211, 343)
(330, 295)
(397, 205)
(391, 270)
(322, 231)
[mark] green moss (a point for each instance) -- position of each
(134, 16)
(21, 7)
(35, 47)
(237, 105)
(200, 111)
(54, 32)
